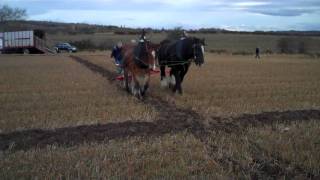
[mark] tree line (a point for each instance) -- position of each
(11, 14)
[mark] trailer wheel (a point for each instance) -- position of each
(26, 51)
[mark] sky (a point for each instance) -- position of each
(245, 15)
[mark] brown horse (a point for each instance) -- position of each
(138, 61)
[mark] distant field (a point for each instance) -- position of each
(239, 118)
(229, 42)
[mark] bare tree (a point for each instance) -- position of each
(284, 45)
(10, 14)
(175, 33)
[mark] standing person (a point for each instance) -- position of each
(143, 36)
(142, 39)
(257, 53)
(184, 35)
(117, 55)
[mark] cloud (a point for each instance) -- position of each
(239, 14)
(282, 12)
(250, 3)
(281, 8)
(266, 7)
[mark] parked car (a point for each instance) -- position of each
(65, 47)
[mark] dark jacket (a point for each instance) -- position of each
(116, 53)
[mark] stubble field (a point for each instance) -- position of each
(66, 117)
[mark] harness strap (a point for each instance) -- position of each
(138, 59)
(176, 64)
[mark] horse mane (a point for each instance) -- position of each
(190, 38)
(166, 41)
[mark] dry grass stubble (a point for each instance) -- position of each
(234, 85)
(54, 91)
(225, 86)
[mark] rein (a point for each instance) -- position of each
(138, 59)
(178, 63)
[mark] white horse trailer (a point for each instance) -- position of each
(22, 42)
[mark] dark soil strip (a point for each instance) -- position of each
(71, 136)
(96, 69)
(171, 120)
(241, 123)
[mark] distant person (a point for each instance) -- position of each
(117, 55)
(142, 40)
(257, 53)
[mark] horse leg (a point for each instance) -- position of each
(145, 88)
(172, 79)
(126, 79)
(142, 84)
(178, 82)
(177, 86)
(162, 72)
(133, 84)
(184, 72)
(136, 88)
(138, 91)
(145, 85)
(163, 80)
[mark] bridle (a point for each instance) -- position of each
(145, 48)
(194, 47)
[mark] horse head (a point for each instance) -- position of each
(198, 50)
(153, 48)
(145, 55)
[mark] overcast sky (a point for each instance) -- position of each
(229, 14)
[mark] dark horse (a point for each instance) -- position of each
(138, 60)
(178, 55)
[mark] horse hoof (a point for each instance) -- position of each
(164, 83)
(172, 80)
